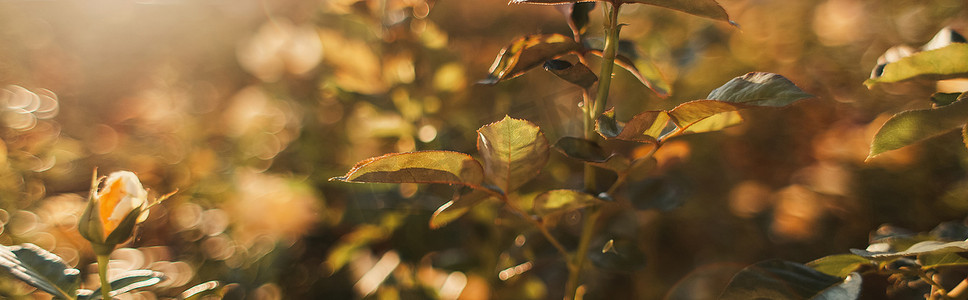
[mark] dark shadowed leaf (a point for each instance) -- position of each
(131, 280)
(703, 8)
(777, 279)
(942, 63)
(526, 53)
(514, 152)
(950, 231)
(41, 269)
(460, 205)
(912, 126)
(616, 162)
(925, 247)
(644, 127)
(759, 89)
(839, 265)
(617, 255)
(418, 167)
(942, 99)
(561, 201)
(582, 149)
(577, 15)
(663, 193)
(591, 152)
(848, 289)
(578, 74)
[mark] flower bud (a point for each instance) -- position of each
(113, 211)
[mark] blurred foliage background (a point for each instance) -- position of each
(248, 107)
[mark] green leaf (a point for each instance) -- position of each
(942, 63)
(703, 8)
(942, 99)
(642, 69)
(41, 269)
(759, 89)
(950, 259)
(526, 53)
(514, 152)
(561, 201)
(578, 74)
(131, 280)
(925, 247)
(644, 127)
(913, 126)
(457, 207)
(418, 167)
(206, 289)
(581, 149)
(777, 279)
(839, 265)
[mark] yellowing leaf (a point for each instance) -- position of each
(514, 152)
(644, 127)
(942, 63)
(418, 167)
(526, 53)
(689, 113)
(716, 122)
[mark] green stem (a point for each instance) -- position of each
(592, 111)
(588, 229)
(608, 60)
(102, 270)
(589, 122)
